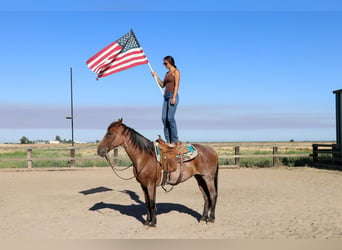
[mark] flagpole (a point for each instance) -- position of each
(149, 65)
(155, 78)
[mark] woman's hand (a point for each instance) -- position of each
(160, 82)
(173, 101)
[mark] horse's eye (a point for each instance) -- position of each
(109, 134)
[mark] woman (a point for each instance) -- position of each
(171, 99)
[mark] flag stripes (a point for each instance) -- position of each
(125, 61)
(99, 58)
(117, 56)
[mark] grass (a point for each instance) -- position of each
(48, 156)
(14, 154)
(86, 155)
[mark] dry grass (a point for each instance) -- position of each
(222, 148)
(86, 154)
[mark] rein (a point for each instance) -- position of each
(115, 170)
(127, 179)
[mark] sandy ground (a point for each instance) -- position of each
(273, 203)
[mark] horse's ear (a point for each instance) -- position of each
(119, 121)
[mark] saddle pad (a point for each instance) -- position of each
(189, 152)
(157, 150)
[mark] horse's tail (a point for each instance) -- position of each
(216, 178)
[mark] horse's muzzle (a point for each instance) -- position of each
(102, 151)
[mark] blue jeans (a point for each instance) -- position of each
(168, 118)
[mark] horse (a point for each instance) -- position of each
(148, 171)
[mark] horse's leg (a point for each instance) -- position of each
(210, 189)
(212, 193)
(203, 187)
(150, 194)
(153, 208)
(213, 197)
(147, 203)
(213, 190)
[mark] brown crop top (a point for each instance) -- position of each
(169, 82)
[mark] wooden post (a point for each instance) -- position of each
(275, 156)
(29, 158)
(72, 157)
(116, 158)
(237, 152)
(314, 153)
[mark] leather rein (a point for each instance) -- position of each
(115, 170)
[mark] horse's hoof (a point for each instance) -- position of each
(204, 219)
(150, 224)
(211, 220)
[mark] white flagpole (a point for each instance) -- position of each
(155, 78)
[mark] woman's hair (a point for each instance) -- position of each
(170, 60)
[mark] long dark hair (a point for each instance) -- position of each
(170, 60)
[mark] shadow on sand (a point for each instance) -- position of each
(139, 210)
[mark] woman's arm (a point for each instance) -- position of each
(175, 92)
(160, 82)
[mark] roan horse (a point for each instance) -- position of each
(148, 171)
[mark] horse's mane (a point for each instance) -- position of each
(138, 140)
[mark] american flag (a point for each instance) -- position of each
(120, 55)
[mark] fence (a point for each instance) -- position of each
(327, 155)
(274, 155)
(37, 155)
(72, 159)
(236, 157)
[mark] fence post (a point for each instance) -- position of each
(275, 156)
(336, 154)
(72, 157)
(116, 158)
(237, 152)
(29, 158)
(315, 153)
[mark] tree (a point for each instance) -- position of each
(58, 138)
(25, 140)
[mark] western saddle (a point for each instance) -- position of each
(170, 157)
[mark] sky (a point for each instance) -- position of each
(249, 72)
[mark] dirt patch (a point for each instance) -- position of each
(274, 203)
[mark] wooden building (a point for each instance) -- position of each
(330, 155)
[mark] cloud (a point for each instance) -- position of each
(33, 116)
(261, 121)
(149, 117)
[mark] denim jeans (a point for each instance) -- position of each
(168, 118)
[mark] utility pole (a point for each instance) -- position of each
(72, 110)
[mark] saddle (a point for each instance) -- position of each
(170, 157)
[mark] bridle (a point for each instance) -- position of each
(115, 170)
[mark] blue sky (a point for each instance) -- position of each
(261, 72)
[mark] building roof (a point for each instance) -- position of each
(337, 91)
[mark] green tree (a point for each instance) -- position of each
(58, 138)
(25, 140)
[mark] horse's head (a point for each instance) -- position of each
(112, 139)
